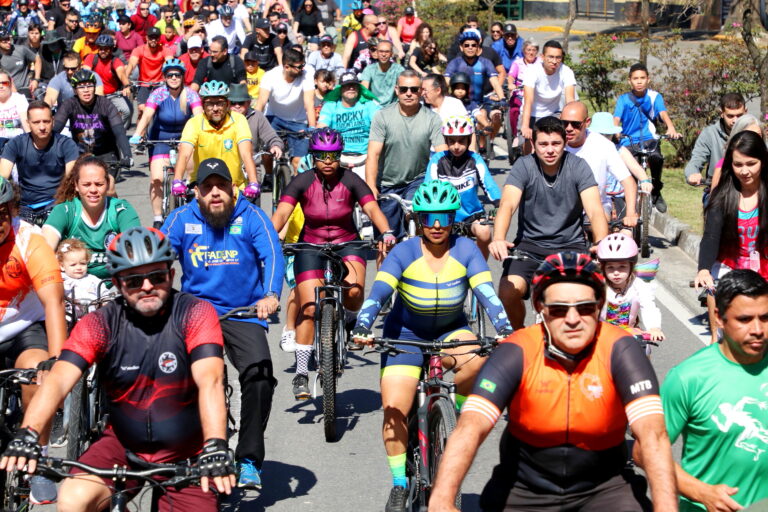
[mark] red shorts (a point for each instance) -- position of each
(108, 451)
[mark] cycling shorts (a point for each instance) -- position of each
(142, 95)
(160, 150)
(30, 338)
(526, 268)
(409, 364)
(311, 265)
(108, 452)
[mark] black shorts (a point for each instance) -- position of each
(622, 493)
(311, 265)
(30, 338)
(526, 268)
(142, 95)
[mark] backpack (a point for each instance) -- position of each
(231, 67)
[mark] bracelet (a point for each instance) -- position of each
(645, 181)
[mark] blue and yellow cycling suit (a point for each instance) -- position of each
(429, 305)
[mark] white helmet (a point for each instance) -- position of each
(458, 126)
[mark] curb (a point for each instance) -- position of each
(555, 28)
(678, 234)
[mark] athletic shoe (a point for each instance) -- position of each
(248, 475)
(301, 387)
(42, 490)
(58, 432)
(398, 499)
(288, 341)
(157, 224)
(660, 204)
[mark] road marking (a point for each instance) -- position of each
(682, 313)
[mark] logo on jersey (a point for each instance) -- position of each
(200, 255)
(13, 268)
(167, 362)
(193, 229)
(591, 386)
(228, 144)
(108, 238)
(488, 385)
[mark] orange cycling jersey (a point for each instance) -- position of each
(29, 264)
(566, 429)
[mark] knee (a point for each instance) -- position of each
(508, 290)
(355, 294)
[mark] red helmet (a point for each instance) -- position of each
(569, 267)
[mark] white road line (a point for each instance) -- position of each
(682, 313)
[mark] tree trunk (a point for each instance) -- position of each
(645, 24)
(759, 59)
(569, 24)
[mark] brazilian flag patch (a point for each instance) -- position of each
(488, 385)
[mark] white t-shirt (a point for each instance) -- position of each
(603, 157)
(548, 89)
(10, 115)
(286, 101)
(451, 107)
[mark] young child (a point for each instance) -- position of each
(636, 112)
(73, 256)
(170, 38)
(325, 81)
(628, 299)
(465, 170)
(253, 74)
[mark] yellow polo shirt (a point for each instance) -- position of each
(222, 143)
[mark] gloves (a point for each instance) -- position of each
(45, 366)
(135, 139)
(492, 213)
(179, 188)
(504, 333)
(216, 459)
(252, 190)
(361, 332)
(26, 443)
(388, 237)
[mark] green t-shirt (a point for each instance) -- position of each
(407, 142)
(68, 219)
(382, 83)
(721, 410)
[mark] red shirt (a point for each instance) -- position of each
(189, 75)
(107, 71)
(141, 25)
(151, 64)
(130, 43)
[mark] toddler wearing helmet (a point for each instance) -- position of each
(465, 170)
(628, 299)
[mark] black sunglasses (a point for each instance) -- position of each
(136, 281)
(560, 309)
(415, 89)
(576, 124)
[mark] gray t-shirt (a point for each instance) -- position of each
(407, 141)
(60, 83)
(17, 64)
(550, 212)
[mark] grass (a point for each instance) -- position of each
(683, 200)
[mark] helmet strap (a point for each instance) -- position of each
(554, 351)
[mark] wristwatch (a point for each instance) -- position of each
(273, 295)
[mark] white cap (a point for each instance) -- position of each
(195, 42)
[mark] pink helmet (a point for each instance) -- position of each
(326, 139)
(617, 247)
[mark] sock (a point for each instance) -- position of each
(303, 353)
(44, 451)
(460, 399)
(157, 218)
(397, 467)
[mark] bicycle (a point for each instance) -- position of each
(408, 217)
(472, 309)
(355, 162)
(170, 202)
(282, 170)
(179, 475)
(433, 415)
(502, 107)
(330, 343)
(14, 487)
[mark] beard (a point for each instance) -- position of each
(218, 220)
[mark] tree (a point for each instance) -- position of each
(645, 34)
(569, 24)
(759, 58)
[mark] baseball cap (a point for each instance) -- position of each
(252, 56)
(282, 27)
(153, 32)
(211, 166)
(262, 23)
(409, 11)
(509, 28)
(349, 76)
(195, 42)
(326, 39)
(124, 19)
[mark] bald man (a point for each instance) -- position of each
(601, 155)
(358, 41)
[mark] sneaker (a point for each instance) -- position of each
(157, 224)
(660, 204)
(58, 432)
(42, 490)
(288, 341)
(301, 387)
(398, 499)
(248, 475)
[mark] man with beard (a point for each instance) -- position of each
(222, 240)
(151, 336)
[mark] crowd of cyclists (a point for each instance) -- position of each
(389, 137)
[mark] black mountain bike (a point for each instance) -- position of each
(14, 487)
(472, 309)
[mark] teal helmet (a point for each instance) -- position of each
(436, 196)
(214, 88)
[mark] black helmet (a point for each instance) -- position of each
(460, 78)
(6, 191)
(82, 76)
(136, 247)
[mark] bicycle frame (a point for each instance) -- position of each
(405, 205)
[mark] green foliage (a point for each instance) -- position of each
(447, 18)
(599, 72)
(692, 82)
(393, 9)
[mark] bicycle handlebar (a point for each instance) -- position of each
(434, 347)
(405, 204)
(56, 469)
(23, 376)
(326, 247)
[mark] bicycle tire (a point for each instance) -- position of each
(645, 216)
(480, 320)
(412, 464)
(470, 311)
(167, 194)
(328, 368)
(78, 426)
(282, 176)
(441, 422)
(510, 138)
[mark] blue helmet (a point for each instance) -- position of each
(174, 63)
(470, 34)
(357, 5)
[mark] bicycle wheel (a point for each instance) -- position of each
(470, 311)
(510, 138)
(645, 216)
(328, 368)
(480, 319)
(78, 428)
(413, 464)
(282, 176)
(168, 198)
(440, 423)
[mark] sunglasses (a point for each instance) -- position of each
(444, 219)
(297, 68)
(136, 281)
(5, 83)
(173, 75)
(73, 69)
(282, 31)
(469, 45)
(576, 124)
(560, 309)
(327, 156)
(5, 39)
(415, 89)
(382, 23)
(215, 103)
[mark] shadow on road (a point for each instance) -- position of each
(350, 405)
(281, 482)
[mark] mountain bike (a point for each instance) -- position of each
(282, 170)
(178, 475)
(170, 202)
(408, 217)
(472, 309)
(14, 487)
(330, 343)
(433, 415)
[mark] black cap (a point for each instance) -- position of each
(252, 56)
(326, 39)
(262, 23)
(409, 11)
(124, 19)
(509, 28)
(153, 32)
(349, 77)
(211, 166)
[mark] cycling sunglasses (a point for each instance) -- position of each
(136, 281)
(560, 309)
(325, 156)
(428, 219)
(173, 75)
